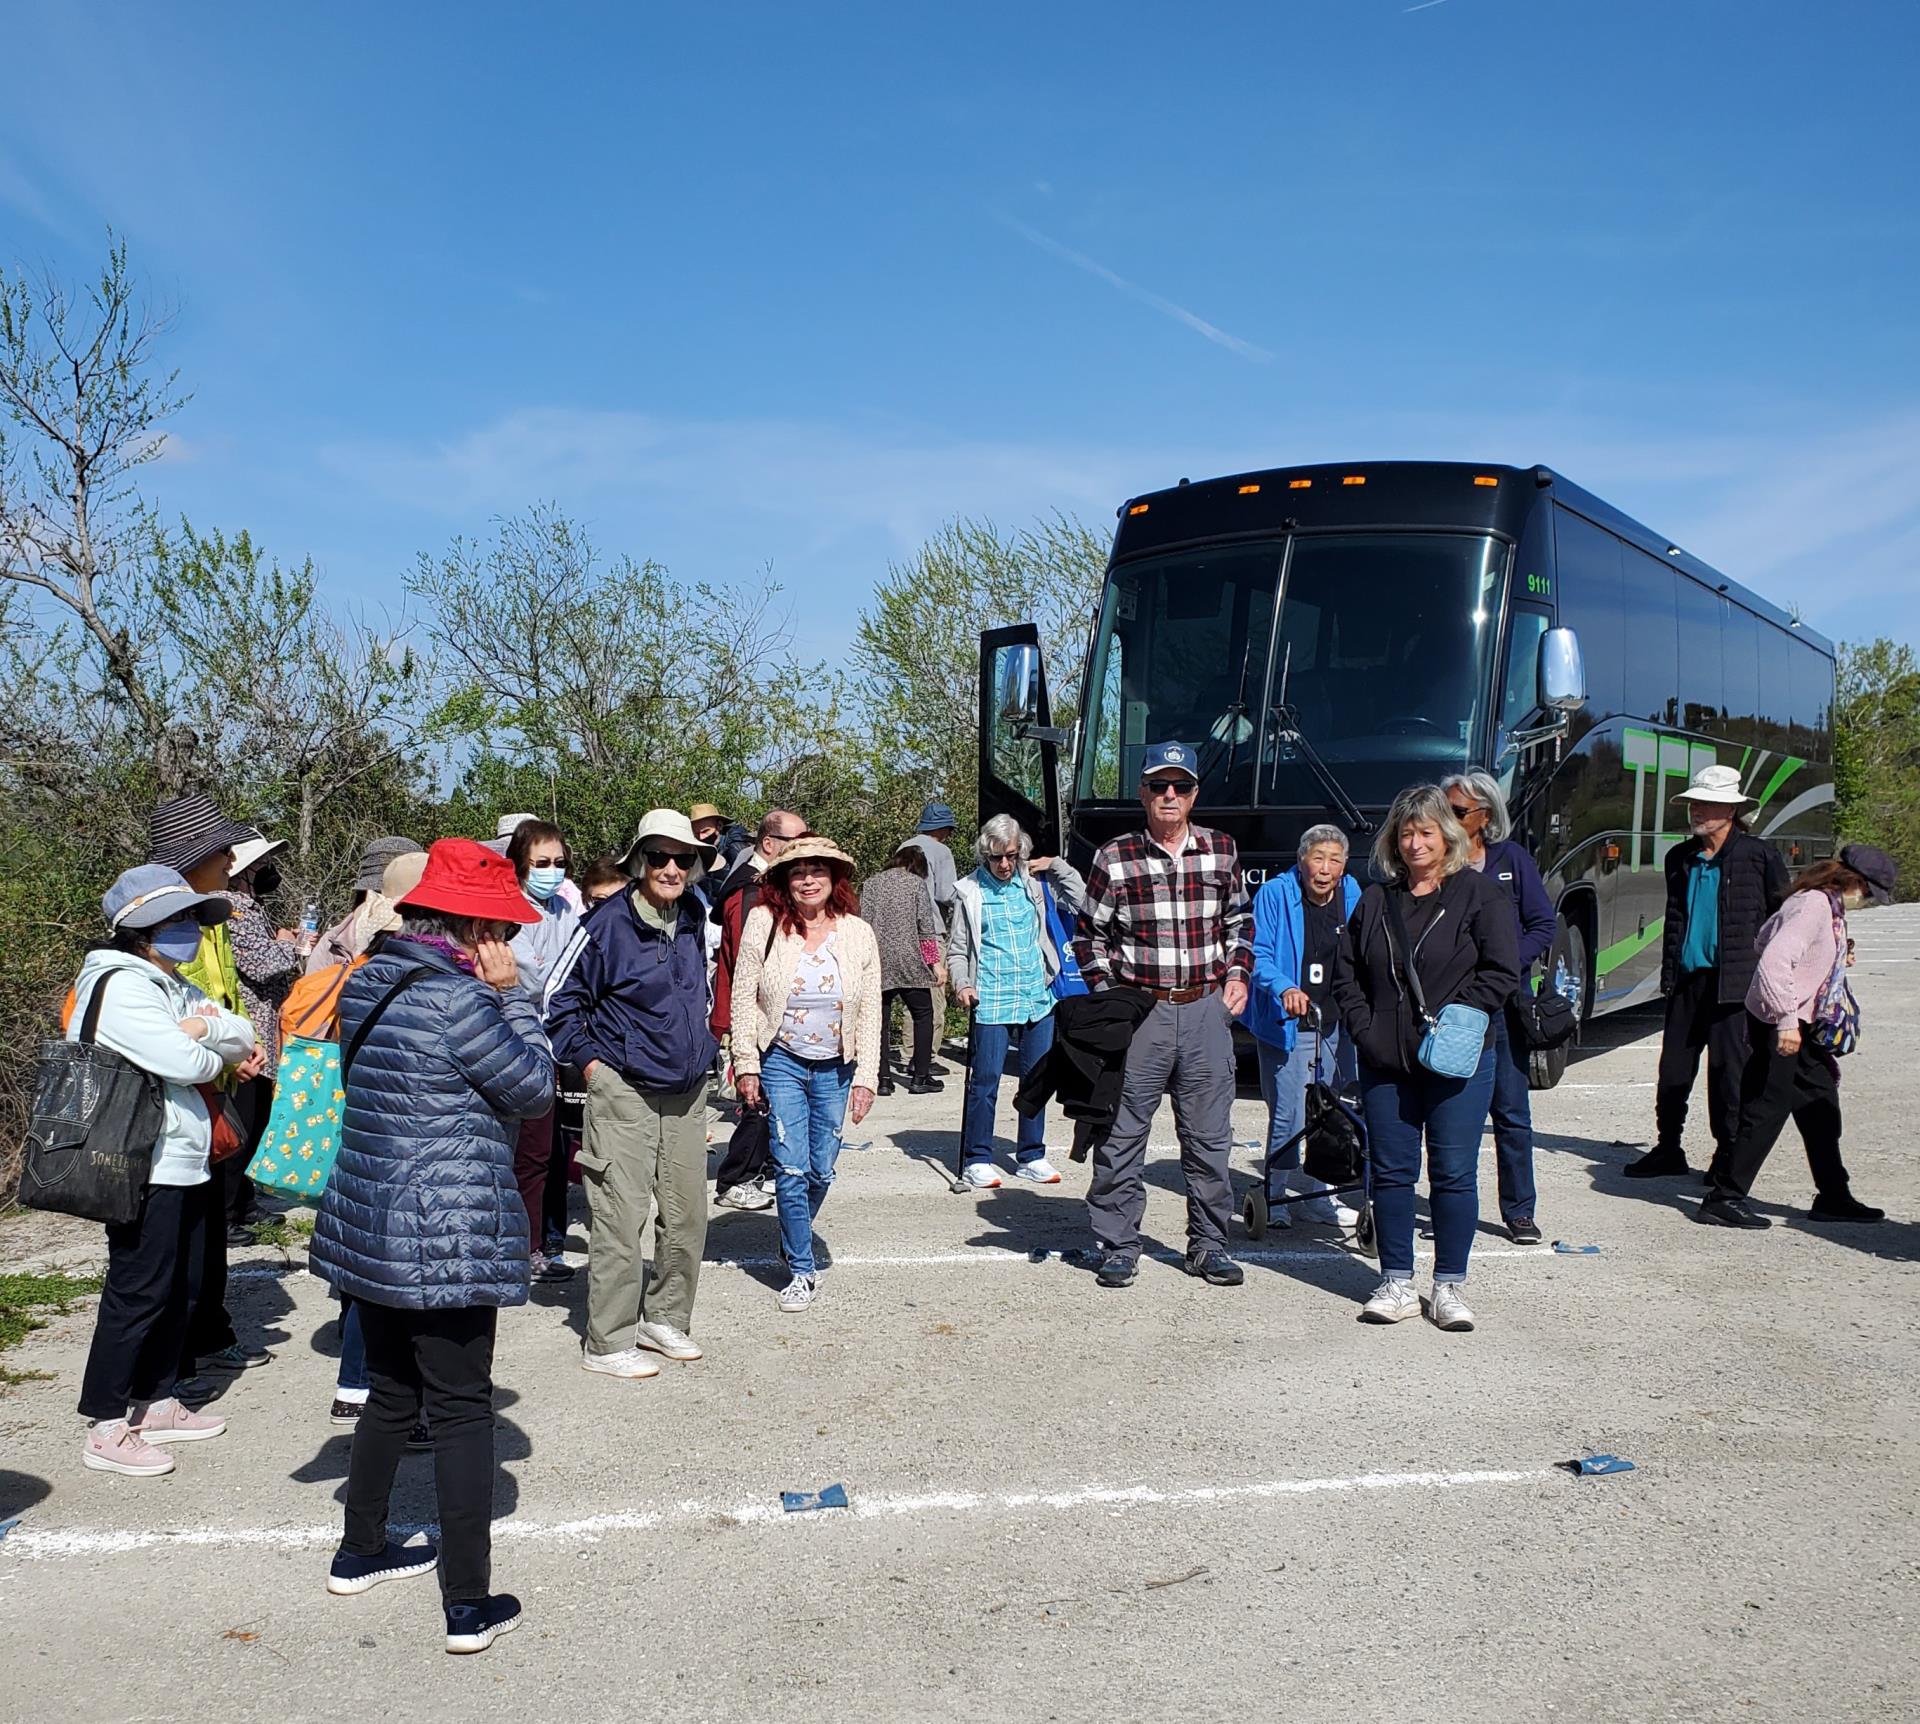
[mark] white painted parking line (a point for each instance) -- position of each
(987, 1255)
(42, 1543)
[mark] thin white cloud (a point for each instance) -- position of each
(1424, 6)
(18, 191)
(1133, 290)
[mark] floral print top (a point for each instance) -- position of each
(810, 1026)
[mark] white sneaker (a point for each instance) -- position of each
(1449, 1309)
(1038, 1172)
(629, 1363)
(1329, 1210)
(743, 1197)
(665, 1338)
(1392, 1302)
(799, 1293)
(982, 1176)
(769, 1187)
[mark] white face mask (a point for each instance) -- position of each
(1854, 900)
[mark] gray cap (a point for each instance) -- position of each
(373, 864)
(153, 893)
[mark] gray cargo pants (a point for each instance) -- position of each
(1187, 1051)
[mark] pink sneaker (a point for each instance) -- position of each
(114, 1448)
(169, 1422)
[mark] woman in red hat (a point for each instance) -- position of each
(442, 1055)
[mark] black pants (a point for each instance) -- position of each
(569, 1112)
(919, 1004)
(135, 1354)
(208, 1326)
(749, 1152)
(1774, 1088)
(441, 1361)
(1696, 1020)
(254, 1099)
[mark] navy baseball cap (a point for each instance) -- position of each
(1170, 757)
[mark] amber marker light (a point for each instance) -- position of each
(1354, 479)
(1486, 479)
(1138, 509)
(1249, 490)
(1299, 484)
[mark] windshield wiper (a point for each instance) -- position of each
(1288, 734)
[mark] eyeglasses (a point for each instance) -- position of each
(681, 859)
(1174, 786)
(1460, 813)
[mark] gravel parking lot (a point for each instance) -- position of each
(1176, 1501)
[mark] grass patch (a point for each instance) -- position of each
(283, 1231)
(24, 1299)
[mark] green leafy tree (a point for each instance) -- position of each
(1877, 751)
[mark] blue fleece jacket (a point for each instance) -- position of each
(1279, 933)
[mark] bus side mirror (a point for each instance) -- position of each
(1018, 694)
(1563, 674)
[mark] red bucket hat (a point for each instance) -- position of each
(463, 878)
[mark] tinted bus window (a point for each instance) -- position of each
(1697, 671)
(1740, 675)
(1776, 688)
(1647, 587)
(1587, 569)
(1812, 696)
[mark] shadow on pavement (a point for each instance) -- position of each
(20, 1491)
(414, 1500)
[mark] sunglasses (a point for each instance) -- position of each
(1003, 855)
(1174, 786)
(1460, 813)
(681, 859)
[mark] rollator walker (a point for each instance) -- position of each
(1333, 1150)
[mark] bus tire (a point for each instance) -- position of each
(1566, 970)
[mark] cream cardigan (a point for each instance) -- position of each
(763, 978)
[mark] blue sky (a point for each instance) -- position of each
(768, 284)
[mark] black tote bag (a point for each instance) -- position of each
(96, 1119)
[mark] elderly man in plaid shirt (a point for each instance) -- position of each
(1167, 912)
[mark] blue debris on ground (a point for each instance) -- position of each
(804, 1502)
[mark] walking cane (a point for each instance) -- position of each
(959, 1180)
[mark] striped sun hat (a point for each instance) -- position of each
(183, 833)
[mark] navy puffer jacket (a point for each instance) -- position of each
(422, 1210)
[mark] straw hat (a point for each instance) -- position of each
(814, 849)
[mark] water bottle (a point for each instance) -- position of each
(309, 927)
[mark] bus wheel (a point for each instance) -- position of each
(1567, 975)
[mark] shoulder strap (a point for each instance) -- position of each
(1397, 926)
(374, 1016)
(90, 1024)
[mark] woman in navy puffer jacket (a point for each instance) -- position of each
(422, 1223)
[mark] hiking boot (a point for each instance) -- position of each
(665, 1338)
(1843, 1206)
(1116, 1270)
(352, 1574)
(112, 1446)
(1522, 1231)
(1730, 1212)
(1214, 1267)
(472, 1627)
(1392, 1302)
(628, 1362)
(1449, 1309)
(169, 1422)
(1659, 1162)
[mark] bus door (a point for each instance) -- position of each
(1019, 746)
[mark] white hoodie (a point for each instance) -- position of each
(140, 1018)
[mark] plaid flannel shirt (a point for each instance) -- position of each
(1155, 920)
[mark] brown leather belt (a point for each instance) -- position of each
(1180, 996)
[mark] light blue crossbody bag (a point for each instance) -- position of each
(1456, 1035)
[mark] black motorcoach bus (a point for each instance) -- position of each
(1324, 636)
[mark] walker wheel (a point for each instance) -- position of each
(1254, 1213)
(1363, 1228)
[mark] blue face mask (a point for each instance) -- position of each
(176, 941)
(544, 882)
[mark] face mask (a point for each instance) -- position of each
(544, 882)
(1854, 900)
(176, 941)
(266, 880)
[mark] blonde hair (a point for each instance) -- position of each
(1426, 805)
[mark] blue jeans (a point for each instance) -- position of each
(807, 1106)
(1512, 1121)
(987, 1059)
(1283, 1084)
(1450, 1113)
(353, 1349)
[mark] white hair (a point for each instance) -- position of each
(999, 832)
(1315, 836)
(1485, 789)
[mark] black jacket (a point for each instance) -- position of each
(1469, 956)
(1087, 1065)
(1753, 884)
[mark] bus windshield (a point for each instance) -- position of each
(1384, 650)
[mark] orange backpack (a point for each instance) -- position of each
(312, 1006)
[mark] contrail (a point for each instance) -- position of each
(1424, 6)
(1179, 313)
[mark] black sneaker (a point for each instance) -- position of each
(885, 1087)
(346, 1412)
(240, 1235)
(546, 1270)
(1116, 1271)
(929, 1086)
(472, 1627)
(1730, 1212)
(420, 1437)
(554, 1244)
(938, 1070)
(1522, 1231)
(1659, 1163)
(238, 1357)
(1214, 1267)
(350, 1574)
(1843, 1207)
